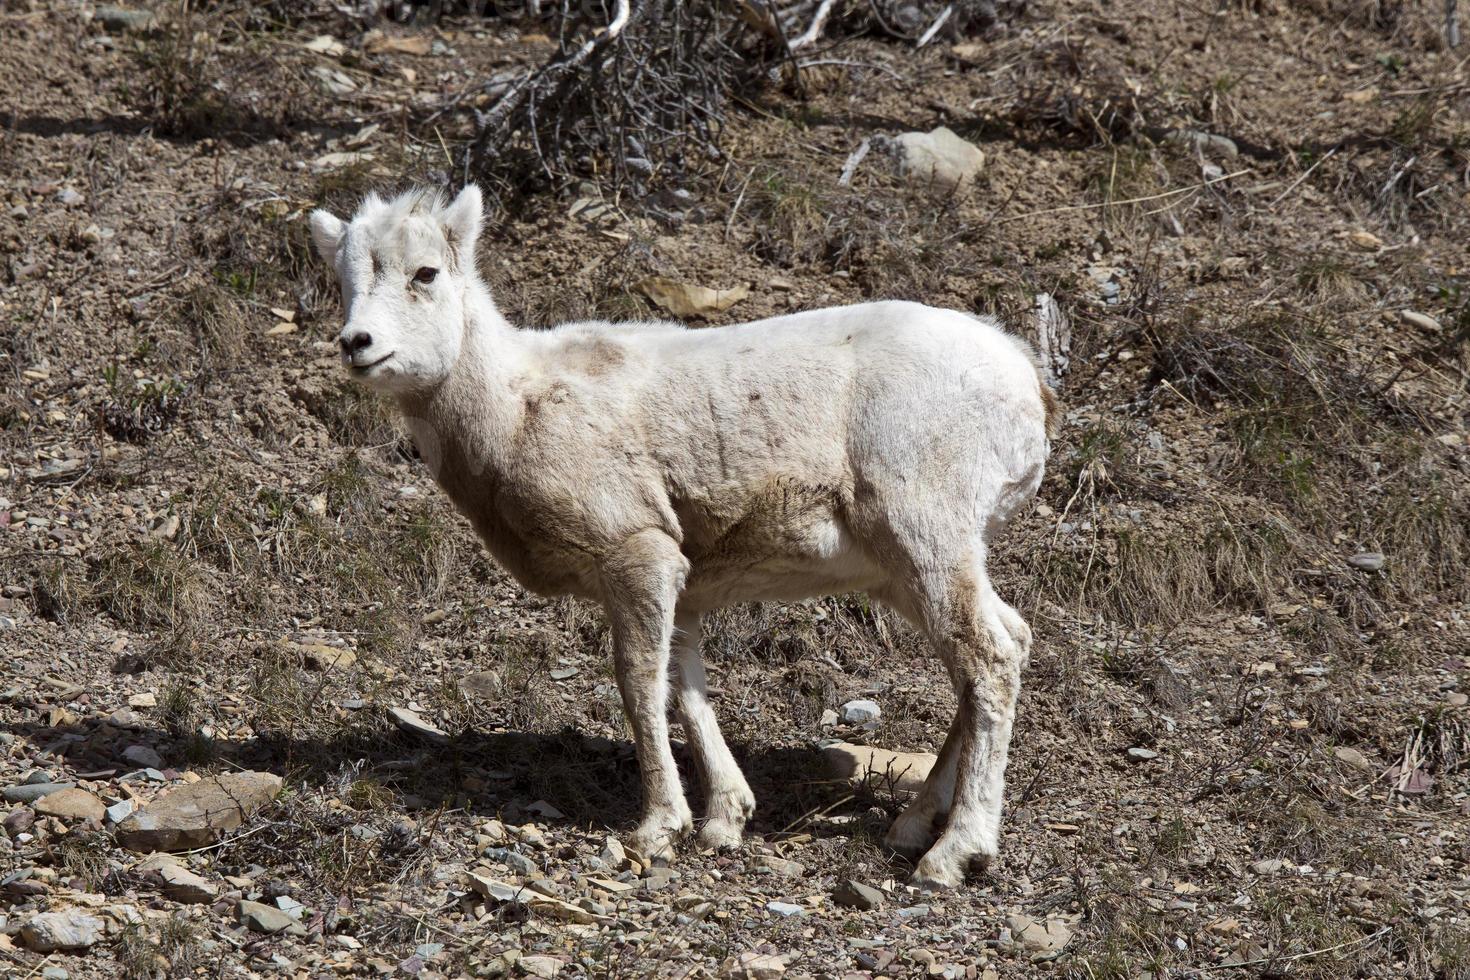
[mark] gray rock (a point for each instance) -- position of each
(183, 885)
(1421, 320)
(514, 860)
(121, 810)
(143, 756)
(268, 919)
(411, 723)
(199, 813)
(1367, 561)
(1140, 754)
(856, 895)
(785, 909)
(1039, 936)
(1206, 144)
(67, 930)
(31, 792)
(116, 18)
(860, 712)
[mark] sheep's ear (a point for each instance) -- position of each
(462, 222)
(326, 234)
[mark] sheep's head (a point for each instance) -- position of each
(404, 266)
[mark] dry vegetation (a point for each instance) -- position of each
(196, 505)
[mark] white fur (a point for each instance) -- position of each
(666, 473)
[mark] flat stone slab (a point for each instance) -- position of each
(199, 813)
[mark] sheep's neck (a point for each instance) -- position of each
(464, 429)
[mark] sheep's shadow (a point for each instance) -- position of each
(244, 133)
(592, 782)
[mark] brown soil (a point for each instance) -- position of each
(193, 497)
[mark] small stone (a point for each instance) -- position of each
(938, 158)
(1140, 754)
(540, 966)
(19, 820)
(860, 712)
(513, 860)
(71, 804)
(1038, 936)
(613, 855)
(856, 895)
(411, 723)
(143, 757)
(68, 930)
(267, 919)
(183, 885)
(116, 18)
(69, 196)
(781, 866)
(121, 810)
(543, 809)
(785, 909)
(145, 700)
(1421, 320)
(1456, 699)
(1352, 757)
(828, 719)
(752, 965)
(1367, 561)
(1268, 867)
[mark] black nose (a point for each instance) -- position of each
(358, 341)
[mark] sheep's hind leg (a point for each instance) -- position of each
(984, 660)
(641, 585)
(730, 802)
(913, 832)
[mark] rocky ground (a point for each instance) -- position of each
(268, 710)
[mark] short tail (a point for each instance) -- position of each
(1053, 407)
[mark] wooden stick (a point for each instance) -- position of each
(815, 30)
(1131, 200)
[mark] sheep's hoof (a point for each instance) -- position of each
(655, 845)
(720, 835)
(936, 875)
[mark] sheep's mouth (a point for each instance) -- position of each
(359, 370)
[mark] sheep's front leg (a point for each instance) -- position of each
(641, 584)
(730, 802)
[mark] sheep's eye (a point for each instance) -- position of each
(425, 275)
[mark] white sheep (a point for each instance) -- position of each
(667, 472)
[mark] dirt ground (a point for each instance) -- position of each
(1243, 746)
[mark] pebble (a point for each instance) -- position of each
(143, 757)
(268, 919)
(1421, 320)
(780, 866)
(856, 895)
(1367, 561)
(860, 712)
(514, 860)
(411, 723)
(785, 909)
(1140, 754)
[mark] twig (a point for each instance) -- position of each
(853, 159)
(1305, 174)
(939, 22)
(1300, 956)
(815, 30)
(1131, 200)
